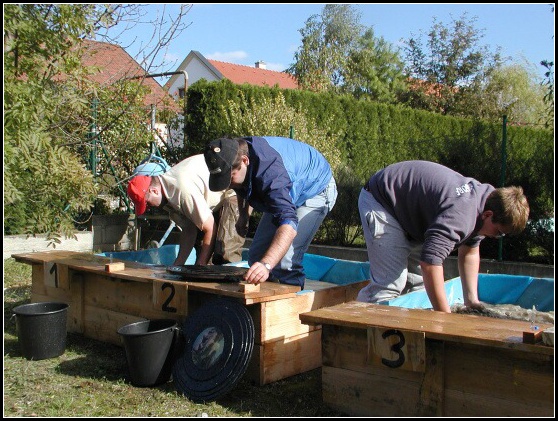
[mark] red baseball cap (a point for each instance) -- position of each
(137, 187)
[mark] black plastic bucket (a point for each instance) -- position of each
(41, 329)
(150, 350)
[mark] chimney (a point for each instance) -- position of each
(260, 65)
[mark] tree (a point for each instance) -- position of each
(340, 55)
(514, 90)
(327, 40)
(448, 61)
(44, 183)
(374, 70)
(47, 115)
(548, 85)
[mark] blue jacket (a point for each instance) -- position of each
(283, 174)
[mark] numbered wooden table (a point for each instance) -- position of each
(105, 294)
(392, 361)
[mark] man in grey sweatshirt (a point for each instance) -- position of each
(415, 213)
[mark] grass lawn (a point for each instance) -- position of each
(91, 380)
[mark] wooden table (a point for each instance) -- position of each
(104, 298)
(392, 361)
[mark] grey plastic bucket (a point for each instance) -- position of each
(150, 350)
(41, 329)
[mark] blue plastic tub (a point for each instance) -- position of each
(316, 267)
(164, 255)
(524, 291)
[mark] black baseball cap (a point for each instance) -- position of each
(220, 155)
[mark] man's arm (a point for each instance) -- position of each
(433, 277)
(281, 242)
(209, 230)
(468, 260)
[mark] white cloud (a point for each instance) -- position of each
(279, 67)
(228, 57)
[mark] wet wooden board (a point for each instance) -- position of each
(140, 272)
(436, 325)
(103, 300)
(386, 361)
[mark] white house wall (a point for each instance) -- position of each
(196, 70)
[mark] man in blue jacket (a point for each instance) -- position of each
(290, 182)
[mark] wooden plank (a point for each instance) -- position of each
(41, 257)
(127, 297)
(461, 328)
(369, 395)
(287, 357)
(140, 272)
(254, 372)
(55, 275)
(75, 311)
(396, 348)
(244, 287)
(347, 348)
(532, 336)
(37, 280)
(115, 266)
(431, 390)
(459, 379)
(53, 294)
(486, 381)
(103, 324)
(50, 274)
(63, 273)
(281, 318)
(473, 404)
(170, 297)
(269, 291)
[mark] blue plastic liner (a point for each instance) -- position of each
(524, 291)
(346, 272)
(315, 266)
(164, 255)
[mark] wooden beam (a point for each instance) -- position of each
(532, 336)
(244, 287)
(115, 267)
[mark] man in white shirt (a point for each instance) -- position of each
(207, 218)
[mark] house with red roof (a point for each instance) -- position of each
(111, 63)
(198, 67)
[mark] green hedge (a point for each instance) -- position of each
(368, 136)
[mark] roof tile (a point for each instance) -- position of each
(114, 64)
(240, 74)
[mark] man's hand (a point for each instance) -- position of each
(257, 274)
(474, 305)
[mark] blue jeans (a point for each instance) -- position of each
(310, 216)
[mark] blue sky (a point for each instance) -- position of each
(246, 33)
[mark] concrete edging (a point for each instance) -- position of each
(17, 244)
